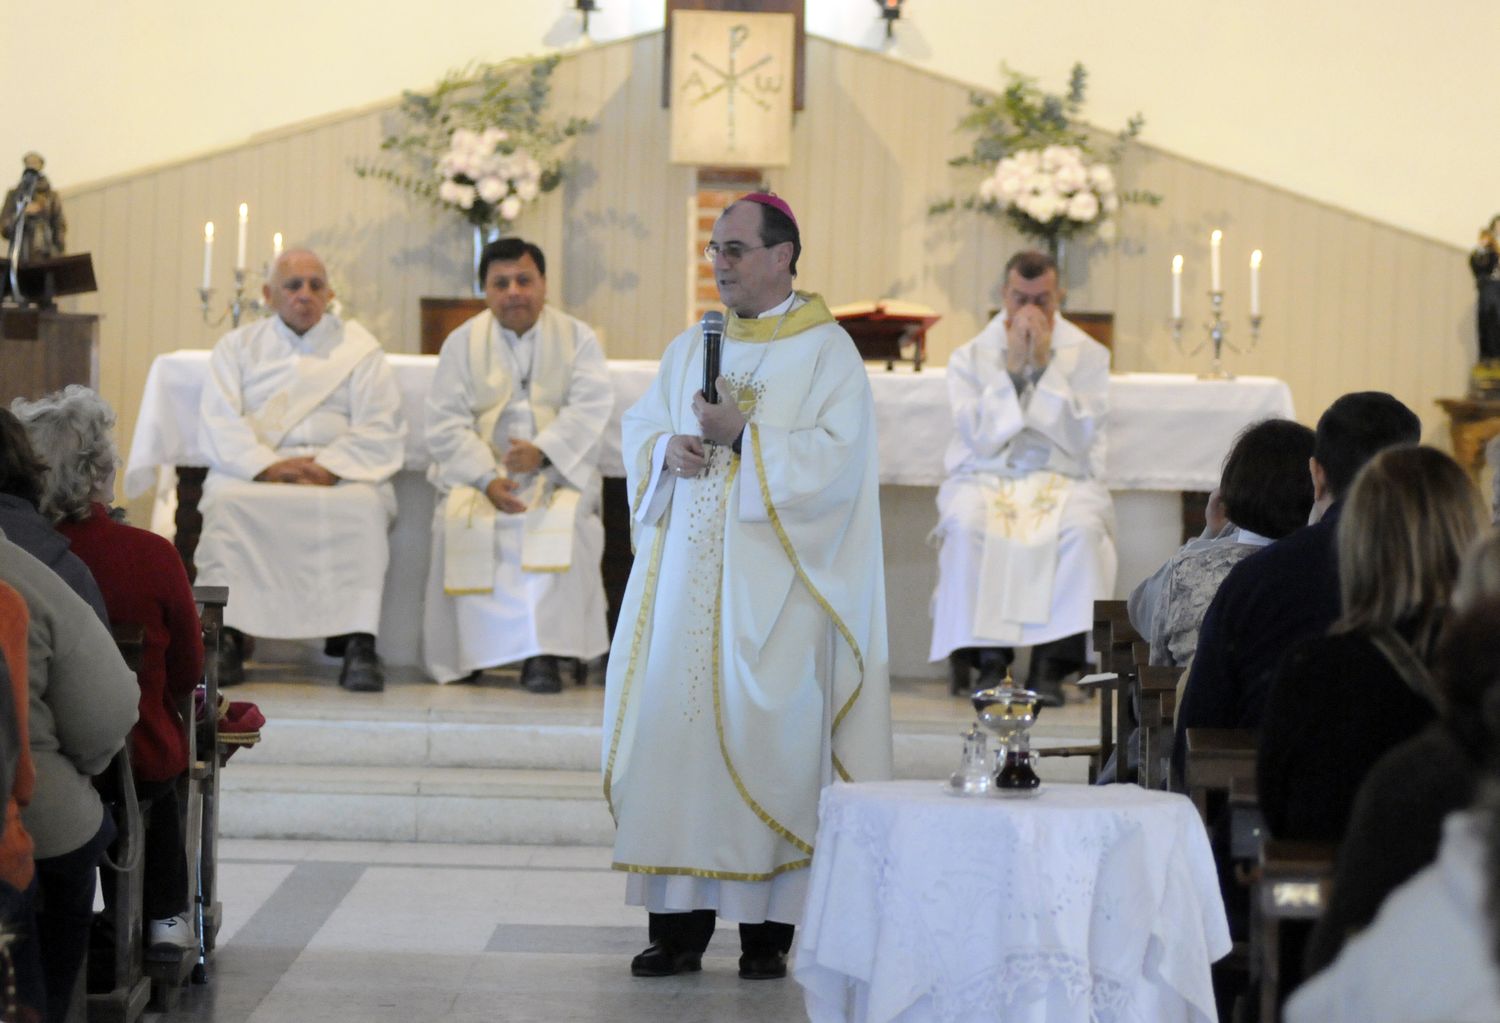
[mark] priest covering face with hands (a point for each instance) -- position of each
(1025, 528)
(749, 667)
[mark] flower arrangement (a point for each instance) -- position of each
(1046, 177)
(479, 143)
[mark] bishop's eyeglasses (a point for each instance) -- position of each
(732, 252)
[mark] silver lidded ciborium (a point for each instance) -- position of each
(1009, 711)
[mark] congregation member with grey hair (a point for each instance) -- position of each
(144, 583)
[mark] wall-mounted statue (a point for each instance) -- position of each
(1485, 262)
(46, 228)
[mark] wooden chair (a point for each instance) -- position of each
(129, 989)
(1294, 883)
(1115, 641)
(205, 758)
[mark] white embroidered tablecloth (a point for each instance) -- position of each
(1086, 904)
(1167, 431)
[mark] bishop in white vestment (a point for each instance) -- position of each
(1025, 528)
(518, 404)
(300, 421)
(749, 666)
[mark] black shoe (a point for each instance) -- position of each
(334, 646)
(763, 966)
(661, 961)
(362, 672)
(993, 661)
(231, 657)
(540, 675)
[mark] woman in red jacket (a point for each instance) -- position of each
(145, 584)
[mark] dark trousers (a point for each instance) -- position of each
(691, 932)
(164, 877)
(65, 915)
(18, 913)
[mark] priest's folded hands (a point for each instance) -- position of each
(297, 470)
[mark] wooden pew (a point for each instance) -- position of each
(1115, 642)
(129, 989)
(1294, 882)
(1215, 758)
(1156, 697)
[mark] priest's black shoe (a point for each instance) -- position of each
(231, 657)
(661, 961)
(763, 966)
(540, 675)
(362, 672)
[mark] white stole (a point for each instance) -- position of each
(316, 379)
(1020, 555)
(469, 515)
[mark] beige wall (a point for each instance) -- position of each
(1381, 108)
(1349, 303)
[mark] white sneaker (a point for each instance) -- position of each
(173, 932)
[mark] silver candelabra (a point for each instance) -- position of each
(238, 306)
(1217, 330)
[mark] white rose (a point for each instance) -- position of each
(1102, 178)
(1028, 161)
(528, 190)
(448, 191)
(1083, 207)
(1054, 157)
(1010, 186)
(464, 140)
(491, 189)
(1038, 183)
(1041, 208)
(988, 189)
(1070, 177)
(464, 196)
(510, 208)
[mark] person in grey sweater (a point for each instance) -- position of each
(83, 701)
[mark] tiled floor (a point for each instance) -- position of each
(341, 932)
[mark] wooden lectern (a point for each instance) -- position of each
(43, 350)
(883, 330)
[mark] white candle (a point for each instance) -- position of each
(1177, 287)
(244, 222)
(1215, 241)
(275, 246)
(208, 253)
(1255, 283)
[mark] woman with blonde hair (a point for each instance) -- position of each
(1340, 701)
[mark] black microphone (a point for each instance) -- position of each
(26, 190)
(713, 344)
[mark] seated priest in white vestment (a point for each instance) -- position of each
(1025, 528)
(518, 405)
(749, 666)
(301, 424)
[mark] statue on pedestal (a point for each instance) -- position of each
(46, 228)
(1484, 261)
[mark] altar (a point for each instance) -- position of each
(1168, 433)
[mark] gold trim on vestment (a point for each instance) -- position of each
(467, 593)
(759, 330)
(791, 553)
(646, 473)
(545, 569)
(648, 602)
(713, 875)
(716, 661)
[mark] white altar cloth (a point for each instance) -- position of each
(1167, 431)
(1084, 904)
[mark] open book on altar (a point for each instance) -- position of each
(882, 329)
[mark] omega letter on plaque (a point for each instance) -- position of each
(731, 88)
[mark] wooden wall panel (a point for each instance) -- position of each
(1349, 303)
